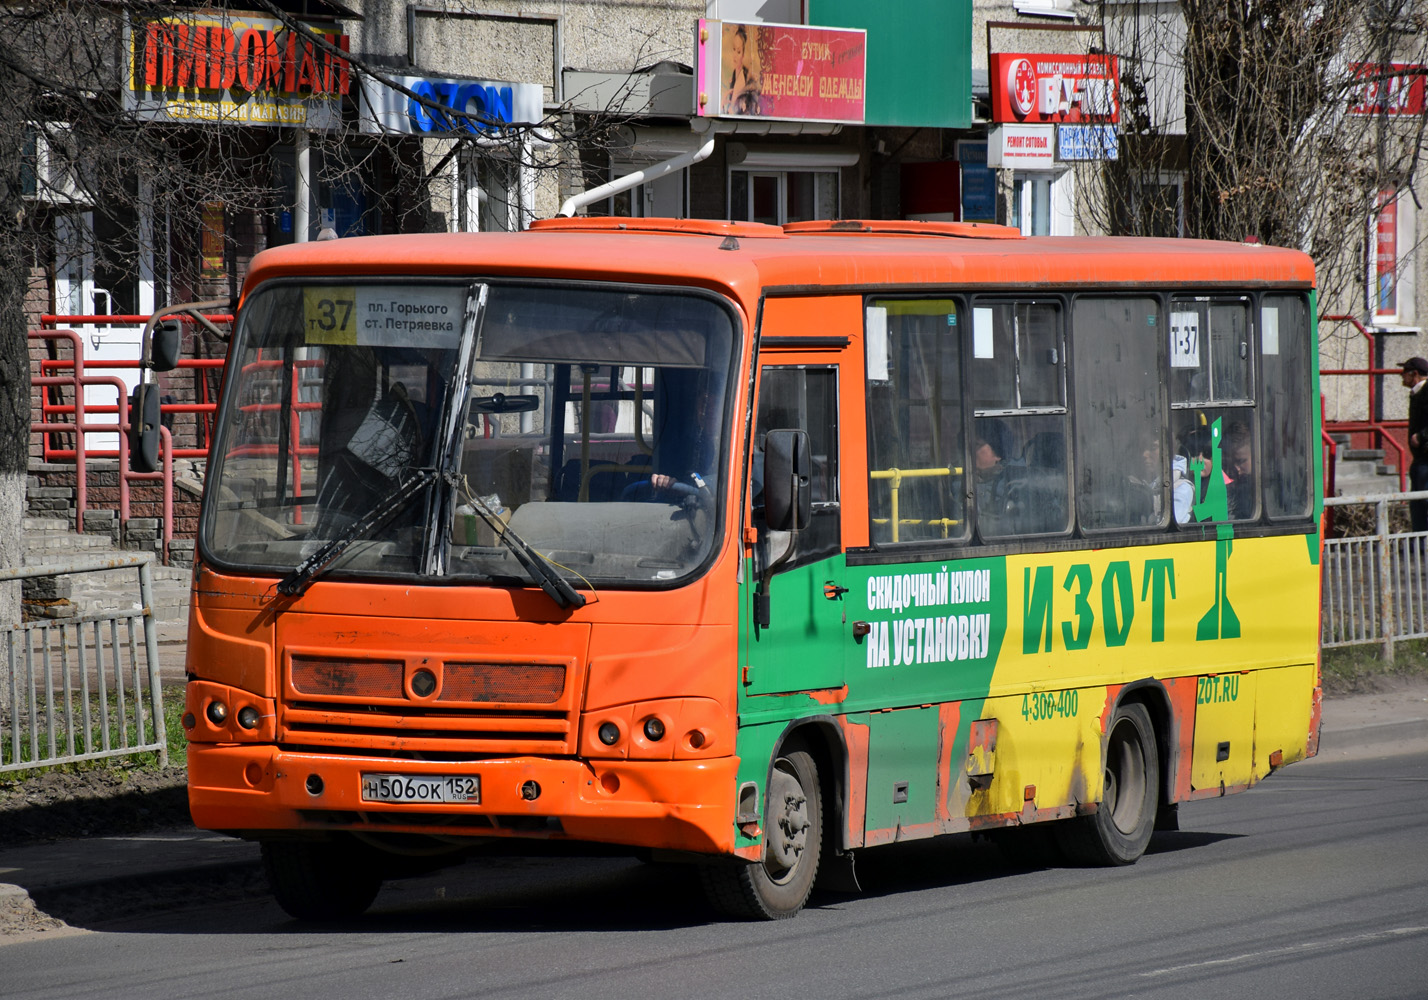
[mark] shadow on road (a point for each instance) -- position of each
(1170, 841)
(504, 894)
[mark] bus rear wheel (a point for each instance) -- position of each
(320, 880)
(793, 831)
(1118, 832)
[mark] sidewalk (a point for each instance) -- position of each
(99, 878)
(173, 650)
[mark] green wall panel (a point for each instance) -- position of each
(919, 58)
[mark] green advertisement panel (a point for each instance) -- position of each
(919, 58)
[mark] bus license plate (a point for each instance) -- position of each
(421, 788)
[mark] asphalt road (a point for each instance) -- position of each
(1314, 884)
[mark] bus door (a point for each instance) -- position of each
(801, 381)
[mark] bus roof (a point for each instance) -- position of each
(748, 258)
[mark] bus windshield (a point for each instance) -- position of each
(589, 422)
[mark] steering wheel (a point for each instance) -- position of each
(644, 491)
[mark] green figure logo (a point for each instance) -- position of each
(1220, 622)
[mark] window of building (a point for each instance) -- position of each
(1041, 202)
(664, 197)
(1149, 205)
(779, 196)
(487, 194)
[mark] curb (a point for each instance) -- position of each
(20, 919)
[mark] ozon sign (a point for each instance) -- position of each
(236, 70)
(486, 106)
(1031, 89)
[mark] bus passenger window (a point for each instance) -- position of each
(1018, 384)
(1211, 381)
(1287, 474)
(917, 449)
(1123, 471)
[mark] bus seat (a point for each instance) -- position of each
(1045, 450)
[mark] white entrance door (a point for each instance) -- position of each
(76, 294)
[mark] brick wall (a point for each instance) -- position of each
(51, 493)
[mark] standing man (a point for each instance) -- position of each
(1415, 375)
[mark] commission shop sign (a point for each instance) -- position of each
(234, 69)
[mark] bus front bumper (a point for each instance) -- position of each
(671, 805)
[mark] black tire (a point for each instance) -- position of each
(320, 881)
(1119, 830)
(778, 887)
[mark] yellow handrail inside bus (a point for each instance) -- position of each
(896, 476)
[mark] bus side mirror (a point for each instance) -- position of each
(164, 346)
(144, 428)
(788, 469)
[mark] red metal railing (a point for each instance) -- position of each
(1380, 433)
(79, 425)
(81, 419)
(295, 448)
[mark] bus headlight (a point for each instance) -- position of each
(662, 729)
(219, 713)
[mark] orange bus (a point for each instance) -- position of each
(750, 547)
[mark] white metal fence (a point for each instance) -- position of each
(85, 687)
(1375, 586)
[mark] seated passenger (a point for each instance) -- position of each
(1182, 490)
(992, 482)
(686, 448)
(1240, 490)
(1145, 497)
(1196, 452)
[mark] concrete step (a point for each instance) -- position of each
(1361, 455)
(53, 540)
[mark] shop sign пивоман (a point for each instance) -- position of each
(235, 70)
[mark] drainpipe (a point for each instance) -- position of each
(576, 202)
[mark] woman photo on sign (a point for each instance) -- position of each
(741, 94)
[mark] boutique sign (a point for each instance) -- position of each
(437, 106)
(235, 69)
(780, 71)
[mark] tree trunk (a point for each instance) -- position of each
(14, 374)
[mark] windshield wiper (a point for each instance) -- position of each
(297, 581)
(537, 566)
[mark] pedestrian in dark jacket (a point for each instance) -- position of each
(1415, 377)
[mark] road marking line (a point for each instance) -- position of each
(1396, 932)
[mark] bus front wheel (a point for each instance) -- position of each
(793, 831)
(1119, 830)
(320, 881)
